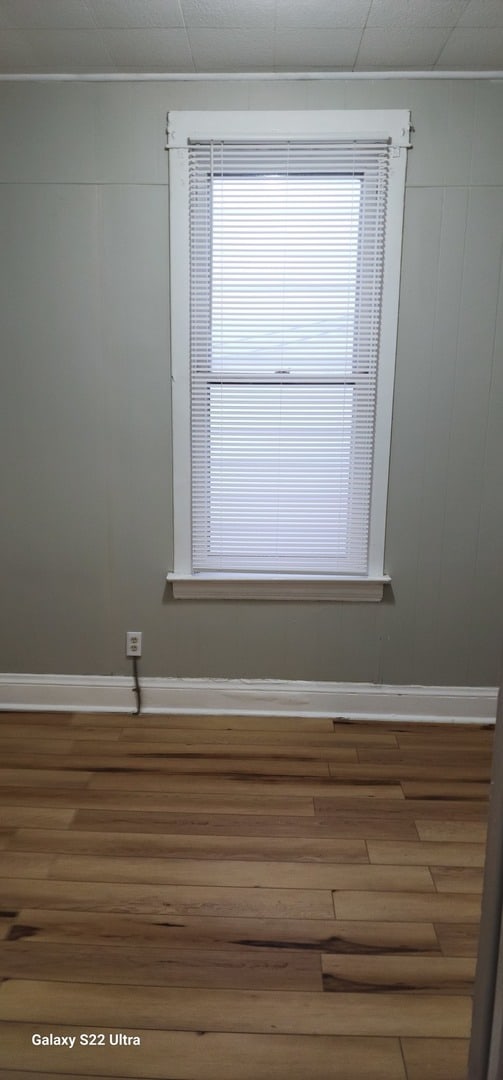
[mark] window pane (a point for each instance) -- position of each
(284, 273)
(278, 485)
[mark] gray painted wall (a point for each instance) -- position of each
(85, 397)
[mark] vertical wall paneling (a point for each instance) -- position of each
(85, 396)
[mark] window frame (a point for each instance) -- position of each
(186, 126)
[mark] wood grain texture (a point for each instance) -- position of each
(458, 939)
(439, 756)
(476, 738)
(230, 781)
(435, 1059)
(143, 801)
(395, 769)
(444, 790)
(237, 1010)
(228, 752)
(238, 874)
(411, 809)
(442, 830)
(248, 737)
(199, 1055)
(169, 899)
(202, 723)
(171, 764)
(24, 1074)
(345, 825)
(426, 854)
(401, 973)
(41, 817)
(24, 864)
(257, 898)
(47, 778)
(192, 931)
(198, 846)
(410, 906)
(269, 969)
(462, 879)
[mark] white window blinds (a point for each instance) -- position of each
(286, 276)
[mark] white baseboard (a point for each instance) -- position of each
(274, 697)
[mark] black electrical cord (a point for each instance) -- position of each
(137, 688)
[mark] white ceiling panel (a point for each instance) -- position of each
(232, 50)
(171, 36)
(481, 13)
(68, 50)
(390, 49)
(425, 13)
(322, 14)
(47, 14)
(149, 50)
(136, 14)
(472, 49)
(229, 14)
(314, 50)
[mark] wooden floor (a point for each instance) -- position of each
(252, 899)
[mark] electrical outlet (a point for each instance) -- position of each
(133, 643)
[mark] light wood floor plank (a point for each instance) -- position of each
(226, 783)
(263, 1012)
(24, 717)
(198, 846)
(436, 1059)
(454, 879)
(24, 1074)
(144, 801)
(421, 853)
(245, 969)
(22, 864)
(249, 737)
(423, 907)
(413, 770)
(322, 935)
(437, 755)
(38, 817)
(241, 874)
(46, 778)
(169, 899)
(37, 745)
(458, 939)
(410, 809)
(342, 826)
(169, 764)
(444, 790)
(433, 974)
(227, 754)
(50, 729)
(463, 832)
(205, 723)
(177, 1055)
(444, 738)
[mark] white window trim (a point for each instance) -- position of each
(305, 124)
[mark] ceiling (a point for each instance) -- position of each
(207, 36)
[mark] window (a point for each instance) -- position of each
(285, 255)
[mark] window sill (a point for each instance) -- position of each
(271, 587)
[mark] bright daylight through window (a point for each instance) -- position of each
(285, 255)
